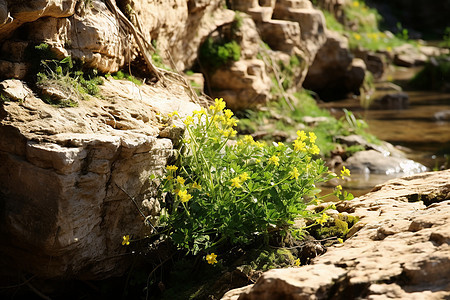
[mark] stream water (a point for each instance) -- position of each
(423, 129)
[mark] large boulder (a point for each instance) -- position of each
(398, 250)
(74, 180)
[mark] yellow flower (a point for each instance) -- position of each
(297, 262)
(323, 219)
(188, 121)
(170, 177)
(236, 182)
(312, 137)
(228, 113)
(339, 187)
(299, 145)
(345, 172)
(294, 173)
(126, 240)
(180, 180)
(340, 240)
(314, 149)
(244, 176)
(172, 168)
(174, 113)
(357, 36)
(197, 186)
(301, 135)
(355, 3)
(219, 106)
(275, 160)
(211, 258)
(184, 196)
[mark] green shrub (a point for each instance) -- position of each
(225, 195)
(217, 54)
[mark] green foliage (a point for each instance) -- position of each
(123, 75)
(217, 54)
(434, 76)
(65, 75)
(402, 33)
(446, 38)
(361, 27)
(232, 195)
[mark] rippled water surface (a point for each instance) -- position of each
(423, 127)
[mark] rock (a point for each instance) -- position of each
(334, 71)
(375, 62)
(398, 250)
(398, 100)
(15, 90)
(372, 161)
(244, 84)
(67, 172)
(313, 121)
(407, 56)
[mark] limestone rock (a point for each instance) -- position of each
(372, 161)
(68, 174)
(334, 71)
(243, 84)
(398, 250)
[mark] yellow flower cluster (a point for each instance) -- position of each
(294, 173)
(323, 219)
(345, 172)
(184, 196)
(274, 160)
(236, 181)
(300, 144)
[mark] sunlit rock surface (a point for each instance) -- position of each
(398, 250)
(74, 180)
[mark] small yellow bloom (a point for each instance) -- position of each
(184, 196)
(126, 240)
(275, 160)
(211, 258)
(188, 121)
(312, 137)
(323, 219)
(294, 173)
(244, 176)
(236, 182)
(314, 149)
(345, 172)
(174, 113)
(297, 262)
(172, 168)
(339, 187)
(357, 36)
(180, 180)
(228, 113)
(355, 4)
(170, 177)
(340, 240)
(299, 145)
(301, 135)
(197, 186)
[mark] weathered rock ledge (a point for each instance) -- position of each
(67, 176)
(400, 249)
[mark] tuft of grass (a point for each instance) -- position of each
(124, 75)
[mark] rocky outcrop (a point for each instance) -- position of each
(334, 70)
(75, 180)
(398, 250)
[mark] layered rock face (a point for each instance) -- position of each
(398, 250)
(73, 181)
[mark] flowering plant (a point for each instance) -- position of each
(228, 193)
